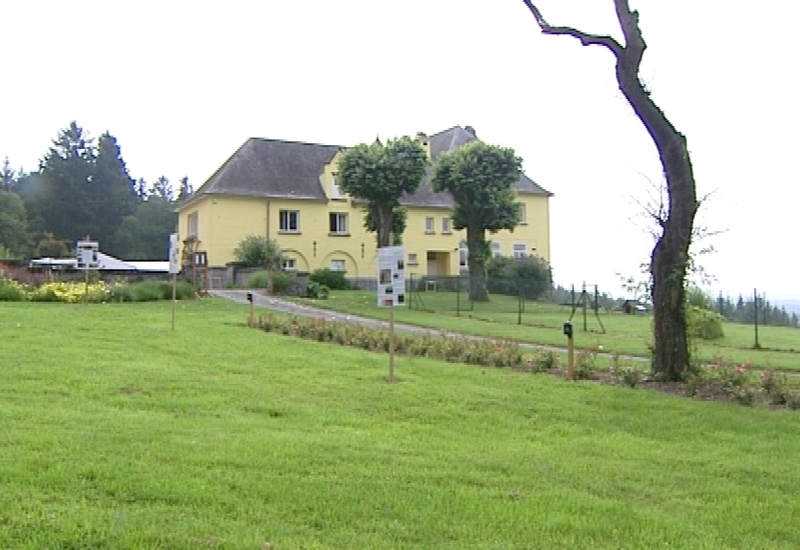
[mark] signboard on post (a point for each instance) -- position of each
(87, 255)
(391, 277)
(174, 256)
(391, 289)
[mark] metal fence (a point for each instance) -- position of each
(510, 300)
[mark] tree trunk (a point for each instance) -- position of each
(384, 216)
(476, 260)
(670, 255)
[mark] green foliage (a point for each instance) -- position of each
(15, 240)
(151, 291)
(11, 291)
(6, 254)
(82, 188)
(381, 175)
(696, 297)
(50, 247)
(334, 280)
(530, 277)
(482, 180)
(144, 235)
(257, 280)
(258, 251)
(281, 281)
(317, 291)
(703, 324)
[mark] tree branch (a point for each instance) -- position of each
(585, 38)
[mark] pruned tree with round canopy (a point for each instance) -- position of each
(381, 175)
(482, 180)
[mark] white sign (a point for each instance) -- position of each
(174, 256)
(87, 255)
(391, 277)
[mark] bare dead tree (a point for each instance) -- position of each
(670, 256)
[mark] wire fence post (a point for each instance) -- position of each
(755, 317)
(458, 295)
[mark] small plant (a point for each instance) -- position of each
(774, 385)
(792, 400)
(11, 291)
(585, 363)
(334, 280)
(544, 360)
(623, 372)
(317, 291)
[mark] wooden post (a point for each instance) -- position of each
(755, 316)
(85, 279)
(391, 343)
(174, 298)
(570, 359)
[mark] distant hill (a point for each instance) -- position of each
(792, 306)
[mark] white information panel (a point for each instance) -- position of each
(391, 277)
(174, 258)
(87, 255)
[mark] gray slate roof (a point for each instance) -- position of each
(287, 169)
(272, 169)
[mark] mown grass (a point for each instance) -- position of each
(542, 323)
(119, 433)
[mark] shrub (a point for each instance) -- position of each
(11, 291)
(256, 251)
(334, 280)
(282, 281)
(529, 276)
(317, 291)
(585, 363)
(256, 280)
(703, 323)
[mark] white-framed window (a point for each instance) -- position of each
(429, 225)
(463, 253)
(337, 265)
(289, 221)
(336, 193)
(446, 225)
(495, 249)
(192, 223)
(289, 264)
(520, 250)
(338, 223)
(523, 213)
(412, 259)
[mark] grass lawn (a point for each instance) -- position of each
(119, 433)
(542, 323)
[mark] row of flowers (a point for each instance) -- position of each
(95, 292)
(472, 351)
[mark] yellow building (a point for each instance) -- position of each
(287, 192)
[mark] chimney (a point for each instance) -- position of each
(471, 131)
(422, 138)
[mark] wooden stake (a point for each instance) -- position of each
(174, 293)
(570, 359)
(391, 344)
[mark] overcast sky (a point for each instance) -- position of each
(182, 84)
